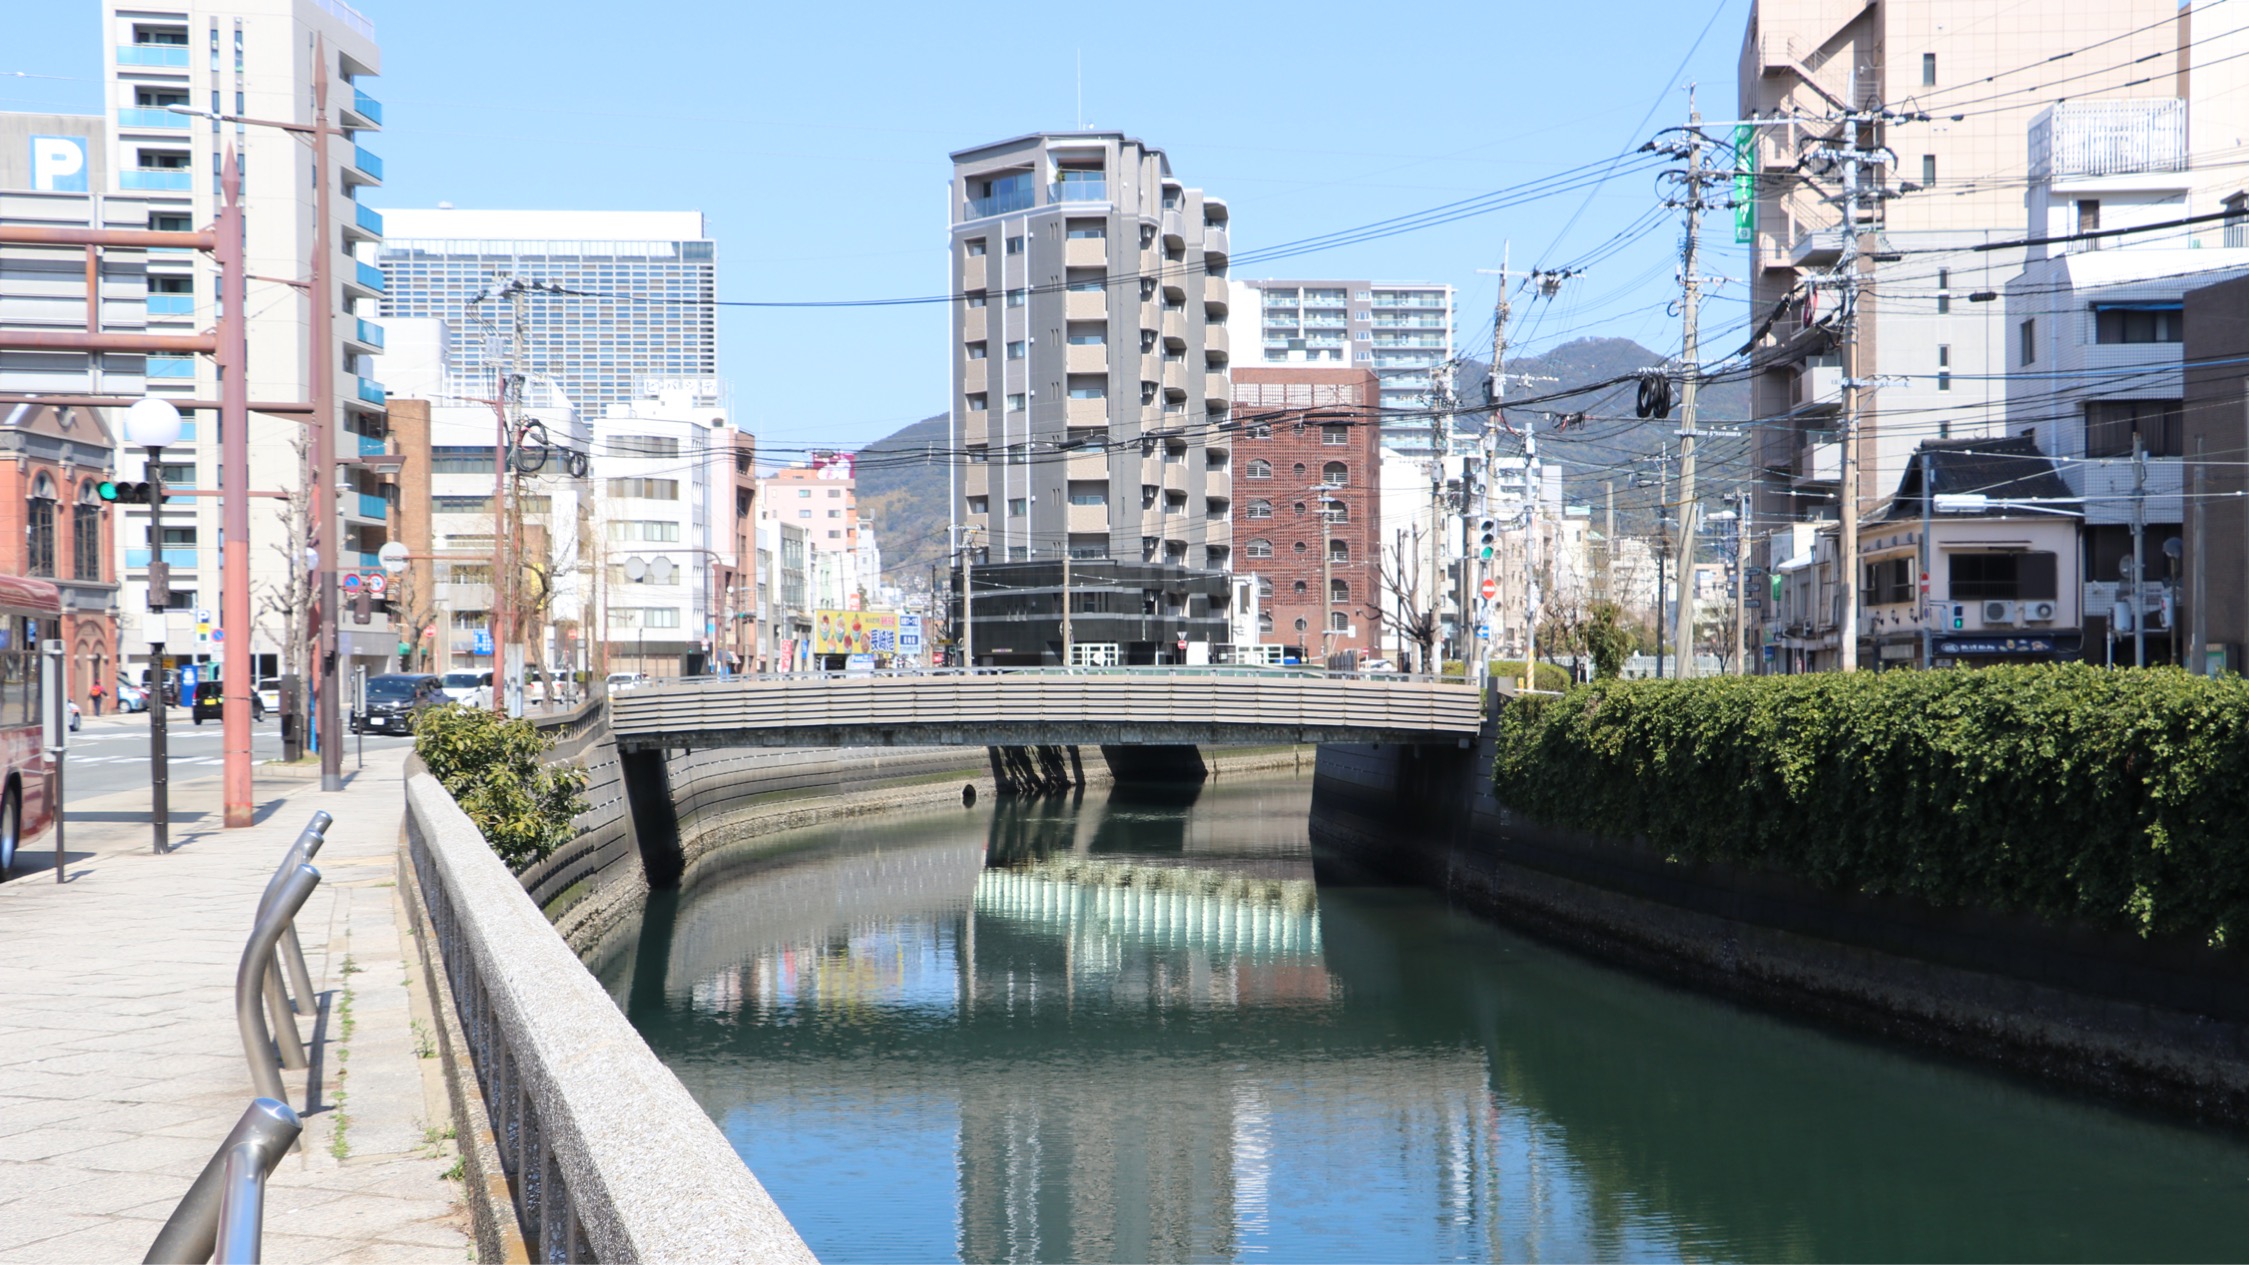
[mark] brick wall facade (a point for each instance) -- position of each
(1296, 428)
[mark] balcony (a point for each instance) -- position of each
(1085, 252)
(1086, 413)
(1215, 341)
(369, 391)
(1175, 282)
(1216, 388)
(362, 167)
(171, 305)
(1078, 191)
(1018, 198)
(362, 111)
(364, 332)
(1174, 227)
(364, 276)
(1214, 298)
(365, 224)
(371, 445)
(1818, 460)
(373, 506)
(1215, 248)
(1085, 305)
(138, 559)
(157, 179)
(1084, 358)
(145, 120)
(1818, 386)
(2079, 140)
(157, 55)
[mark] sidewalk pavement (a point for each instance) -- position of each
(120, 1065)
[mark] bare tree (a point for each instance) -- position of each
(415, 613)
(285, 608)
(1401, 578)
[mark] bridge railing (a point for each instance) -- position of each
(1140, 672)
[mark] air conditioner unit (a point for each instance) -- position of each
(1998, 614)
(2040, 612)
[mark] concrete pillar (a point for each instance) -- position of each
(655, 818)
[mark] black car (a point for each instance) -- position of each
(210, 701)
(394, 701)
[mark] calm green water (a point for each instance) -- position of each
(1137, 1029)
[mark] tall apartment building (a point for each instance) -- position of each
(1090, 396)
(1931, 342)
(665, 477)
(643, 283)
(1403, 331)
(253, 59)
(1309, 494)
(820, 497)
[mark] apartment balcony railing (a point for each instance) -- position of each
(366, 165)
(171, 305)
(1078, 191)
(367, 275)
(365, 106)
(369, 332)
(152, 55)
(368, 218)
(372, 506)
(1012, 200)
(158, 179)
(370, 391)
(143, 119)
(372, 445)
(2108, 138)
(183, 557)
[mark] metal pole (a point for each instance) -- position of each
(241, 1206)
(968, 593)
(2139, 558)
(159, 759)
(327, 523)
(1741, 580)
(1683, 622)
(61, 715)
(2199, 636)
(192, 1230)
(249, 980)
(234, 483)
(1066, 654)
(1928, 566)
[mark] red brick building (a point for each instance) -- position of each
(1303, 436)
(54, 526)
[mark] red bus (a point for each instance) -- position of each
(30, 613)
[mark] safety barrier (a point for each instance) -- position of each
(225, 1207)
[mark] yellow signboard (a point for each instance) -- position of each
(854, 632)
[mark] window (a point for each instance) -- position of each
(460, 459)
(1944, 291)
(1015, 401)
(1889, 581)
(1260, 549)
(1300, 624)
(978, 350)
(1299, 547)
(1363, 296)
(1335, 435)
(1299, 588)
(1015, 245)
(976, 247)
(1259, 469)
(1261, 509)
(1298, 471)
(1017, 349)
(1363, 335)
(804, 513)
(86, 534)
(1015, 298)
(41, 532)
(639, 531)
(2027, 341)
(1018, 506)
(979, 402)
(2138, 323)
(1337, 512)
(1087, 388)
(1339, 551)
(1081, 281)
(460, 504)
(2089, 220)
(1259, 430)
(980, 505)
(644, 446)
(976, 298)
(1928, 70)
(1334, 474)
(1090, 229)
(835, 513)
(1087, 334)
(644, 617)
(1944, 366)
(804, 494)
(1928, 170)
(1147, 393)
(646, 489)
(1089, 493)
(2111, 424)
(2002, 576)
(1264, 621)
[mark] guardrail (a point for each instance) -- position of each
(1140, 671)
(225, 1208)
(605, 1153)
(272, 948)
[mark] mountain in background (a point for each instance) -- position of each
(902, 476)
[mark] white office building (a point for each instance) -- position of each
(663, 479)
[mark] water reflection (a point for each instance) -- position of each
(1134, 1028)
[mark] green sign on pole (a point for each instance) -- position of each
(1745, 182)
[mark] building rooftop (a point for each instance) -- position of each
(2004, 470)
(459, 225)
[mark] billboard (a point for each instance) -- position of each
(58, 163)
(854, 632)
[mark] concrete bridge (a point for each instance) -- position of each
(1108, 707)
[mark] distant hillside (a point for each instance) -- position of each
(902, 484)
(1612, 446)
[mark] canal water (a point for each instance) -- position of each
(1134, 1027)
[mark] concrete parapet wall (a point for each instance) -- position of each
(2161, 1024)
(608, 1156)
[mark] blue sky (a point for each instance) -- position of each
(815, 138)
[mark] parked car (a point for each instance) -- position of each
(395, 700)
(210, 701)
(624, 681)
(1377, 665)
(269, 693)
(469, 689)
(131, 697)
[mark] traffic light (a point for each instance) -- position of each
(129, 493)
(1487, 531)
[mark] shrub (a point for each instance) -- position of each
(2069, 791)
(496, 770)
(1550, 676)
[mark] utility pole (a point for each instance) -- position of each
(234, 464)
(1741, 579)
(1663, 546)
(1327, 576)
(1497, 383)
(1683, 623)
(1440, 446)
(1608, 543)
(1928, 561)
(2139, 557)
(327, 530)
(1066, 654)
(968, 593)
(2198, 636)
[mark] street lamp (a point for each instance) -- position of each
(154, 424)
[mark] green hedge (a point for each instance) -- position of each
(497, 771)
(1550, 676)
(2071, 792)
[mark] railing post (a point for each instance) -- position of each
(268, 1128)
(249, 980)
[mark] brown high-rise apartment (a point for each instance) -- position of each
(1308, 447)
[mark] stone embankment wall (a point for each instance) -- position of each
(2163, 1024)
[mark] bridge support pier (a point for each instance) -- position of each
(1034, 770)
(1182, 763)
(655, 818)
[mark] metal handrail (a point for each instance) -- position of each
(224, 1208)
(306, 847)
(257, 967)
(1235, 670)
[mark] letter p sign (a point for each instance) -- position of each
(58, 164)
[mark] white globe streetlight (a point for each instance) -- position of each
(152, 423)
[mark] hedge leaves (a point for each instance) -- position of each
(496, 770)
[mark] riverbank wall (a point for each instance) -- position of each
(2162, 1024)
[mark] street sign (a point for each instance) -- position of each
(393, 557)
(909, 634)
(1490, 589)
(351, 582)
(377, 584)
(483, 641)
(218, 634)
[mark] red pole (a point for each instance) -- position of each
(234, 477)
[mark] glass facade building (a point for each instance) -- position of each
(622, 296)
